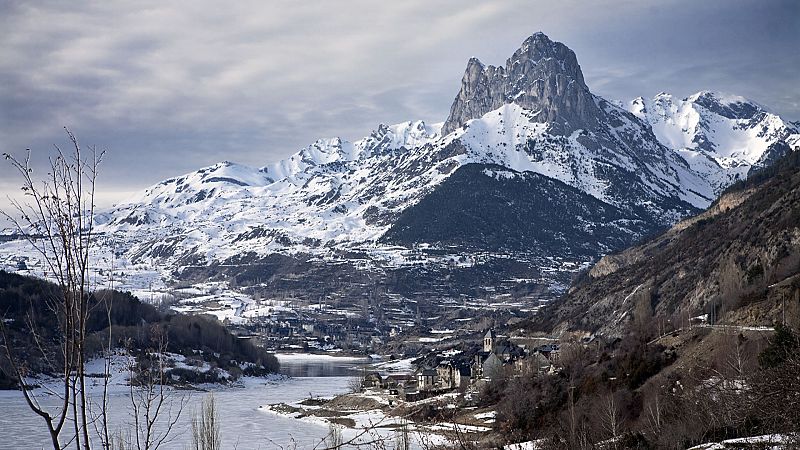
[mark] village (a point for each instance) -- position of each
(370, 323)
(464, 371)
(435, 394)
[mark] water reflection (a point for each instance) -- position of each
(299, 365)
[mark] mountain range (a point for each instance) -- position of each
(529, 165)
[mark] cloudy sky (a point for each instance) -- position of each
(169, 87)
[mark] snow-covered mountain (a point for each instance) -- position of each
(528, 133)
(722, 137)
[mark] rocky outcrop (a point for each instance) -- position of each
(609, 264)
(737, 261)
(542, 76)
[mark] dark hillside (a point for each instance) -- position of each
(489, 207)
(737, 262)
(24, 307)
(689, 338)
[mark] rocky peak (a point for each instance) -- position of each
(639, 107)
(728, 106)
(539, 49)
(542, 76)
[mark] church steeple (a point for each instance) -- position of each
(488, 341)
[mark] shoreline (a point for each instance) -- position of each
(301, 356)
(374, 414)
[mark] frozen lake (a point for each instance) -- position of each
(242, 424)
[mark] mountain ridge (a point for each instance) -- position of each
(335, 196)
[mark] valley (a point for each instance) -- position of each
(544, 269)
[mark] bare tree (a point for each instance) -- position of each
(56, 217)
(775, 388)
(366, 437)
(738, 361)
(612, 418)
(334, 439)
(154, 407)
(100, 418)
(205, 427)
(402, 437)
(655, 415)
(120, 441)
(57, 220)
(355, 383)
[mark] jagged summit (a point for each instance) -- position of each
(713, 130)
(530, 162)
(542, 76)
(539, 47)
(727, 105)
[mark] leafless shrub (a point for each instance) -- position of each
(155, 408)
(355, 383)
(205, 427)
(402, 437)
(334, 439)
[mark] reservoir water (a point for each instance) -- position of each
(243, 425)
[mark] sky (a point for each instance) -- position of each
(169, 87)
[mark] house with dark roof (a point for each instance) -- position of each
(372, 380)
(452, 375)
(426, 379)
(496, 353)
(550, 351)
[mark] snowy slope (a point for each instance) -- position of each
(721, 136)
(586, 159)
(339, 194)
(654, 162)
(327, 151)
(331, 192)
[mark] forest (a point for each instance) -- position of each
(30, 329)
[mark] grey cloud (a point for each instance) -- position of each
(170, 87)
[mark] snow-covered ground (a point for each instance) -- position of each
(153, 280)
(766, 442)
(398, 366)
(369, 426)
(528, 445)
(375, 422)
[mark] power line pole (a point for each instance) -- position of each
(783, 298)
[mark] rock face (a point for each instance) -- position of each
(542, 76)
(736, 260)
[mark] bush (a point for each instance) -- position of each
(783, 344)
